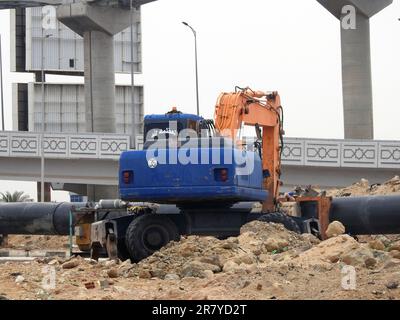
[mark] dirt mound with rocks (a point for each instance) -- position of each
(364, 188)
(265, 261)
(203, 256)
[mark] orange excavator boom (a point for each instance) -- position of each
(261, 110)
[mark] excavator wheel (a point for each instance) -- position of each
(149, 233)
(281, 218)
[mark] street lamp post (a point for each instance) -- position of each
(42, 160)
(197, 72)
(134, 120)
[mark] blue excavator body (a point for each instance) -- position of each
(172, 169)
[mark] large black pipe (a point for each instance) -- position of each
(368, 215)
(361, 215)
(35, 218)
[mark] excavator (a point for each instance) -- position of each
(201, 177)
(207, 195)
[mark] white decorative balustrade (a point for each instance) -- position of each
(296, 152)
(342, 153)
(63, 146)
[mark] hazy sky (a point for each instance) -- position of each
(285, 45)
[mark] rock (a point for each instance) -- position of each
(394, 181)
(395, 246)
(125, 265)
(214, 260)
(327, 252)
(187, 250)
(158, 273)
(3, 298)
(19, 279)
(229, 244)
(144, 274)
(104, 284)
(233, 240)
(207, 266)
(364, 183)
(311, 238)
(385, 240)
(395, 254)
(391, 264)
(70, 264)
(273, 244)
(265, 258)
(15, 274)
(392, 285)
(370, 262)
(334, 258)
(172, 276)
(230, 266)
(241, 284)
(209, 274)
(110, 263)
(113, 273)
(196, 269)
(53, 262)
(359, 257)
(245, 258)
(376, 245)
(335, 229)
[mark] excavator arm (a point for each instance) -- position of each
(261, 110)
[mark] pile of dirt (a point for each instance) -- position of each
(265, 261)
(364, 188)
(203, 256)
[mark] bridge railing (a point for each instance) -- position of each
(342, 153)
(70, 146)
(296, 152)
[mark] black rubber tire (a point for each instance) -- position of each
(138, 240)
(281, 218)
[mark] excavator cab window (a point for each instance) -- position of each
(161, 130)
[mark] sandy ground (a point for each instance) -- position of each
(24, 242)
(265, 262)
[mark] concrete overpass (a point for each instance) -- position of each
(93, 159)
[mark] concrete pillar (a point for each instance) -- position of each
(356, 65)
(97, 25)
(357, 81)
(99, 82)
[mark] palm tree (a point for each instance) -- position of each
(17, 196)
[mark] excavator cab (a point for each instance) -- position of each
(171, 125)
